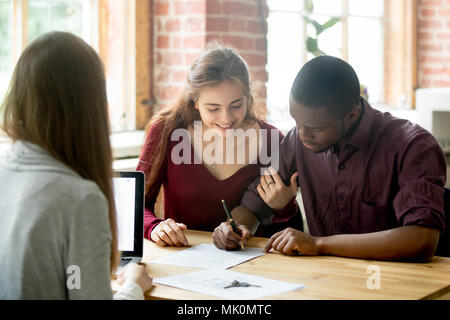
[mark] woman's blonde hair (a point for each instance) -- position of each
(218, 63)
(57, 100)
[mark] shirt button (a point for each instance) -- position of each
(341, 167)
(341, 198)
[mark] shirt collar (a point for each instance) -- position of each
(361, 137)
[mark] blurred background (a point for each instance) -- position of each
(400, 50)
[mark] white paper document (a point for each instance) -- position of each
(228, 284)
(208, 256)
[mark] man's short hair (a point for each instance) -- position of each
(327, 81)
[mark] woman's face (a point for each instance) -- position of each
(222, 107)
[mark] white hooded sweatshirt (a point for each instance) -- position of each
(55, 237)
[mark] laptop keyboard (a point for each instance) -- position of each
(124, 261)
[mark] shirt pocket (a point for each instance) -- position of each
(372, 218)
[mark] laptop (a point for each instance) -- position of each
(129, 200)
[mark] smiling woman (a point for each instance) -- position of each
(222, 106)
(218, 99)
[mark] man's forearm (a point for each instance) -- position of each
(402, 243)
(244, 216)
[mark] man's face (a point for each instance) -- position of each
(318, 129)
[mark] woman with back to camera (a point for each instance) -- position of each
(58, 230)
(217, 102)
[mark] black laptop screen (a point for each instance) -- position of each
(128, 195)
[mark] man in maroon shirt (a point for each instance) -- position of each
(372, 184)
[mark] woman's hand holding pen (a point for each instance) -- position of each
(169, 233)
(225, 238)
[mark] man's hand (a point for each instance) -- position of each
(291, 242)
(225, 238)
(274, 192)
(169, 233)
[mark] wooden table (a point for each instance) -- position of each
(324, 277)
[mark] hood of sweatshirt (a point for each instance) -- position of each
(26, 156)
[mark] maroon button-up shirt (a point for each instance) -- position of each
(390, 173)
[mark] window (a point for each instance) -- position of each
(107, 25)
(368, 35)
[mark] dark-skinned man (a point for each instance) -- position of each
(371, 184)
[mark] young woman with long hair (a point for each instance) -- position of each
(217, 102)
(58, 229)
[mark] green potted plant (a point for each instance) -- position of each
(312, 43)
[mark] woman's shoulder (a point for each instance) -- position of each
(57, 199)
(265, 125)
(75, 189)
(156, 131)
(156, 128)
(270, 128)
(84, 205)
(152, 139)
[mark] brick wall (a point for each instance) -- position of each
(434, 43)
(179, 36)
(184, 27)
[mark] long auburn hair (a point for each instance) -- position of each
(218, 63)
(57, 100)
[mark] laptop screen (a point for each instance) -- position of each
(129, 201)
(124, 195)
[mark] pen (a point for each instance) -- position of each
(233, 224)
